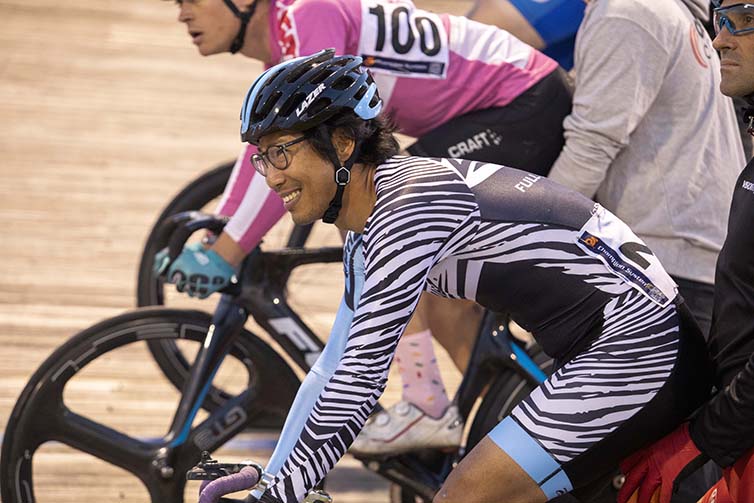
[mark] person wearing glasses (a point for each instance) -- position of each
(461, 88)
(723, 430)
(631, 360)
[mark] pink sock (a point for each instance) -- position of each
(422, 383)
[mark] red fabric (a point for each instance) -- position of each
(655, 468)
(737, 484)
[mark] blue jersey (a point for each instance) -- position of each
(557, 22)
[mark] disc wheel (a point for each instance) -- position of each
(75, 401)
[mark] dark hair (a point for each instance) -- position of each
(378, 144)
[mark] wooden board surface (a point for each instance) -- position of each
(106, 111)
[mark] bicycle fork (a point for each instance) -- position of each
(227, 322)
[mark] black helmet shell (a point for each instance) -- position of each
(301, 93)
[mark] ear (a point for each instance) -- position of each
(343, 144)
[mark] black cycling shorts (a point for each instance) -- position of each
(526, 134)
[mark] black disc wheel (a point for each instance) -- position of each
(101, 398)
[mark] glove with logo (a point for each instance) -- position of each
(197, 271)
(660, 467)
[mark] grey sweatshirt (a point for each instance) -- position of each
(650, 136)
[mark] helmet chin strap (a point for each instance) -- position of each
(342, 175)
(245, 17)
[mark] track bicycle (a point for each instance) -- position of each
(499, 362)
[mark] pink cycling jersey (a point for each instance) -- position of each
(429, 68)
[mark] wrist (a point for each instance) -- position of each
(229, 250)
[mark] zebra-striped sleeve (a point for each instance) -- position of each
(420, 206)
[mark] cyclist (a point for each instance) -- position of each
(568, 270)
(724, 428)
(460, 87)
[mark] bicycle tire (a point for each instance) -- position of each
(506, 391)
(41, 415)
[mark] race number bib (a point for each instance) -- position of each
(610, 240)
(398, 39)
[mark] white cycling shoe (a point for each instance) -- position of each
(404, 427)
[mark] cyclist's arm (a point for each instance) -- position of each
(397, 264)
(326, 364)
(607, 82)
(724, 428)
(503, 14)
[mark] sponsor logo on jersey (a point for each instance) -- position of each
(308, 100)
(288, 41)
(479, 141)
(527, 182)
(747, 185)
(614, 260)
(700, 44)
(403, 67)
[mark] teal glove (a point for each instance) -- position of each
(197, 271)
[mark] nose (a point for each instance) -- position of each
(723, 39)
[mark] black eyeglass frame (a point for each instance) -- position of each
(261, 160)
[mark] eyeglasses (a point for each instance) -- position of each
(737, 18)
(275, 155)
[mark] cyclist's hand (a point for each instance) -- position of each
(200, 272)
(660, 467)
(244, 480)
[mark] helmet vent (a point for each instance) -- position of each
(321, 76)
(343, 83)
(319, 105)
(267, 107)
(290, 105)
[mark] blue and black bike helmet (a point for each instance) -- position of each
(302, 93)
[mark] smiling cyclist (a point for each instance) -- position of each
(632, 362)
(463, 89)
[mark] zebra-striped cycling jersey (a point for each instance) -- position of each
(512, 241)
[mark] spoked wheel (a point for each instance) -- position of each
(201, 194)
(100, 396)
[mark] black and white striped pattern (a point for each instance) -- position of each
(601, 388)
(427, 231)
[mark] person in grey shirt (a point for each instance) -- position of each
(651, 138)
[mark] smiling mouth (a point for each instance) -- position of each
(290, 198)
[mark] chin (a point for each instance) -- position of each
(304, 219)
(733, 89)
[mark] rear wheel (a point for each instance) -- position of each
(81, 398)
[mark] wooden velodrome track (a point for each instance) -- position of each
(106, 110)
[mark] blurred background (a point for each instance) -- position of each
(106, 112)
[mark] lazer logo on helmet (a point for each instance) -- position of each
(308, 101)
